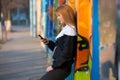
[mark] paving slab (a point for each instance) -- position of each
(22, 57)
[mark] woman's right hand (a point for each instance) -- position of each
(45, 40)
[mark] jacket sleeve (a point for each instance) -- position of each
(67, 54)
(51, 45)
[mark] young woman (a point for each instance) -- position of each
(64, 48)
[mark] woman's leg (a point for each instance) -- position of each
(56, 74)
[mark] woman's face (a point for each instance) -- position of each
(60, 18)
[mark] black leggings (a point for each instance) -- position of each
(56, 74)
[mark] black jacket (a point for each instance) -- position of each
(64, 51)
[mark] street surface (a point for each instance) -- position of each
(22, 57)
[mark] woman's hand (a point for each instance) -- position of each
(45, 40)
(49, 68)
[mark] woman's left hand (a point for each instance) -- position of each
(49, 68)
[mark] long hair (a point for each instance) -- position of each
(67, 14)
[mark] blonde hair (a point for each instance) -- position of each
(67, 14)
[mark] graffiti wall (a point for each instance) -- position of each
(117, 53)
(107, 33)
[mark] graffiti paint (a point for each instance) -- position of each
(83, 58)
(107, 31)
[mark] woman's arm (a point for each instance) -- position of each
(68, 52)
(49, 43)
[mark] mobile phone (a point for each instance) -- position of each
(40, 36)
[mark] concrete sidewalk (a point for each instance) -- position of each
(22, 57)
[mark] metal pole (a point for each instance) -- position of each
(0, 23)
(33, 30)
(95, 42)
(30, 4)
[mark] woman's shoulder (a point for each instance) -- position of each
(69, 30)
